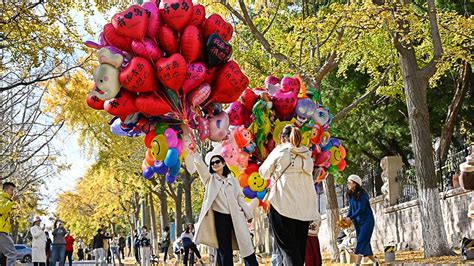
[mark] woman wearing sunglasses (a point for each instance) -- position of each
(293, 198)
(224, 214)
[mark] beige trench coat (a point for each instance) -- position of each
(239, 211)
(38, 245)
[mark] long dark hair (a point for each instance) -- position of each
(226, 170)
(357, 193)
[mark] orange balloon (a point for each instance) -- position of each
(342, 151)
(144, 165)
(243, 180)
(149, 158)
(341, 166)
(322, 175)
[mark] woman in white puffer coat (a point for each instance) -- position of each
(292, 198)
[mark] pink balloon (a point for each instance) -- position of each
(203, 128)
(230, 153)
(199, 95)
(290, 84)
(323, 159)
(147, 49)
(179, 147)
(219, 126)
(171, 138)
(196, 72)
(154, 20)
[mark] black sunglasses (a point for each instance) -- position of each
(215, 162)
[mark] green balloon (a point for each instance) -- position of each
(332, 169)
(160, 128)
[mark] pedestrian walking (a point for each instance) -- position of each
(224, 214)
(121, 243)
(313, 251)
(48, 250)
(145, 246)
(69, 247)
(129, 245)
(361, 215)
(165, 243)
(98, 247)
(81, 246)
(115, 250)
(292, 197)
(58, 253)
(38, 243)
(136, 245)
(7, 199)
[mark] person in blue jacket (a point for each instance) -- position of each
(361, 215)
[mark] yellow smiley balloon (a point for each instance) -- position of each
(159, 147)
(256, 183)
(335, 155)
(235, 170)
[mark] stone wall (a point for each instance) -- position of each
(401, 223)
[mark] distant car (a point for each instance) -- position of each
(23, 253)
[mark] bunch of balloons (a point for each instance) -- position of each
(257, 120)
(166, 64)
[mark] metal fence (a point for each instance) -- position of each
(407, 179)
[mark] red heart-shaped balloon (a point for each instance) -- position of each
(216, 24)
(138, 76)
(113, 38)
(176, 13)
(210, 75)
(290, 84)
(154, 20)
(195, 75)
(152, 104)
(237, 113)
(284, 103)
(94, 102)
(248, 98)
(230, 83)
(199, 95)
(147, 49)
(168, 40)
(132, 22)
(171, 71)
(191, 43)
(199, 15)
(122, 105)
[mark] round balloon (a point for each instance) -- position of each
(159, 147)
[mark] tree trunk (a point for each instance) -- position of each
(462, 87)
(154, 227)
(415, 84)
(179, 210)
(332, 215)
(164, 216)
(188, 204)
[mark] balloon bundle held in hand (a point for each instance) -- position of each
(166, 64)
(257, 120)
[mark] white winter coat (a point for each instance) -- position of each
(293, 194)
(38, 253)
(239, 211)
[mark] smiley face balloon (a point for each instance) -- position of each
(159, 147)
(256, 183)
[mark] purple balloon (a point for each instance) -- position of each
(148, 173)
(116, 129)
(249, 193)
(170, 178)
(160, 168)
(335, 142)
(305, 108)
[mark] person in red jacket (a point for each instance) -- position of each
(69, 247)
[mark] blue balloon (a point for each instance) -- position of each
(174, 170)
(160, 168)
(249, 193)
(148, 173)
(170, 179)
(171, 157)
(261, 194)
(327, 147)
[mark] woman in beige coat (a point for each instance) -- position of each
(38, 244)
(224, 214)
(293, 198)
